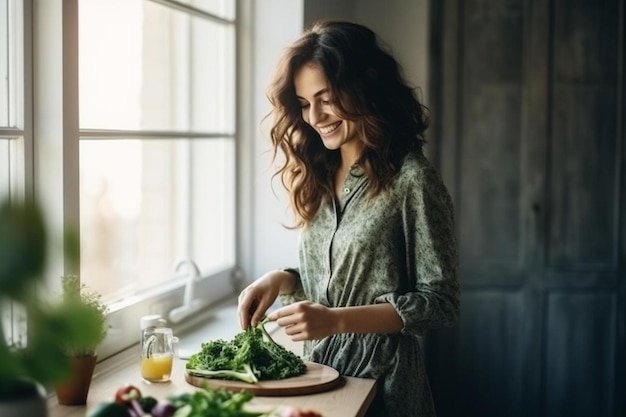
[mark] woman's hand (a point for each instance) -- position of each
(306, 320)
(257, 297)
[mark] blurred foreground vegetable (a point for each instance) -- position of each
(214, 403)
(204, 402)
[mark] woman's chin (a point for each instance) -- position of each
(331, 144)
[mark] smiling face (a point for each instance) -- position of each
(318, 111)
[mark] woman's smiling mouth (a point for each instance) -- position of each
(329, 129)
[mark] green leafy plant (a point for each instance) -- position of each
(214, 402)
(75, 292)
(252, 355)
(41, 356)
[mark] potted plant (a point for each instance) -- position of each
(32, 363)
(82, 354)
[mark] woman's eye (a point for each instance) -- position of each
(304, 105)
(326, 102)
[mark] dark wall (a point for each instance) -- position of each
(528, 103)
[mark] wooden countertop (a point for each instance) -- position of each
(350, 399)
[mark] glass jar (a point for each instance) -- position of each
(157, 349)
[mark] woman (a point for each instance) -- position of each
(377, 251)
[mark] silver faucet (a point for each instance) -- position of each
(190, 305)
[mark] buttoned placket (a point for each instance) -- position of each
(350, 184)
(354, 181)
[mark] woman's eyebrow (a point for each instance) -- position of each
(319, 93)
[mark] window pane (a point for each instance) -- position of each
(156, 68)
(213, 78)
(147, 204)
(221, 8)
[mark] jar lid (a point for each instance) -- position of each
(153, 320)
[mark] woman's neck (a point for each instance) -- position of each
(350, 154)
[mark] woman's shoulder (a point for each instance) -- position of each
(417, 176)
(416, 168)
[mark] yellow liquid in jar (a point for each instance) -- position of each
(156, 368)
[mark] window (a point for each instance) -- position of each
(157, 153)
(136, 147)
(157, 146)
(149, 91)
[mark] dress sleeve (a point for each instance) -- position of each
(432, 295)
(298, 291)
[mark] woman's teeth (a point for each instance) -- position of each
(327, 129)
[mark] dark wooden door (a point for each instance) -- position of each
(528, 107)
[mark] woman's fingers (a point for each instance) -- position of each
(291, 317)
(259, 312)
(253, 304)
(249, 306)
(273, 316)
(282, 313)
(257, 297)
(304, 320)
(244, 310)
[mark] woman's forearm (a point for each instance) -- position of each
(375, 318)
(287, 281)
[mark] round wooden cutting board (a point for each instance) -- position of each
(318, 378)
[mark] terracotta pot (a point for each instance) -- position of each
(75, 390)
(27, 399)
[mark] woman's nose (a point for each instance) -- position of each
(315, 114)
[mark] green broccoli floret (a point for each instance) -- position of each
(245, 374)
(223, 360)
(252, 355)
(279, 363)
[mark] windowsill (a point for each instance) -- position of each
(350, 399)
(216, 290)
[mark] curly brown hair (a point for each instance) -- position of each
(367, 86)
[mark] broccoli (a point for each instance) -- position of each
(251, 356)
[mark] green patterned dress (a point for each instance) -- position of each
(397, 248)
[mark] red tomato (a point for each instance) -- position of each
(127, 393)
